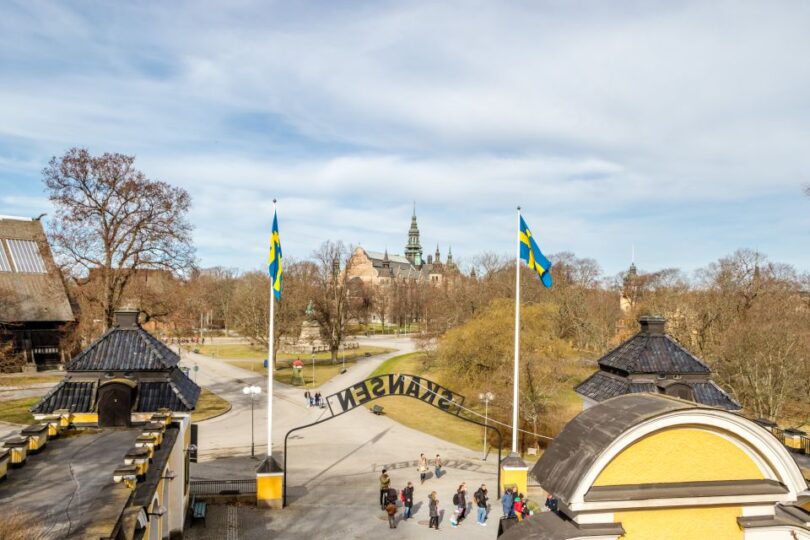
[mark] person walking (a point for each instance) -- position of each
(407, 500)
(385, 483)
(481, 500)
(433, 508)
(459, 506)
(391, 509)
(507, 501)
(437, 466)
(422, 468)
(307, 398)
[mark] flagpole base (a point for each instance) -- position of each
(270, 484)
(514, 473)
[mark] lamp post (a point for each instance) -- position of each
(486, 398)
(253, 392)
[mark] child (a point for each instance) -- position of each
(519, 506)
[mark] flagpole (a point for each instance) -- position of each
(516, 377)
(270, 343)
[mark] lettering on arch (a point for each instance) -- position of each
(392, 384)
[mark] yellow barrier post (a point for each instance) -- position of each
(270, 484)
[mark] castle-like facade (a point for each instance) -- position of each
(380, 268)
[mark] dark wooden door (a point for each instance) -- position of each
(114, 405)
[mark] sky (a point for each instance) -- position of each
(679, 129)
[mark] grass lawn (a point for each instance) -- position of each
(209, 405)
(423, 417)
(249, 352)
(325, 370)
(16, 410)
(23, 379)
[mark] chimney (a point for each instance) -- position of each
(652, 325)
(126, 318)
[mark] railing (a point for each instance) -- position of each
(779, 434)
(806, 444)
(223, 487)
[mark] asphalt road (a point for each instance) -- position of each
(333, 468)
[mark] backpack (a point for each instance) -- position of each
(456, 499)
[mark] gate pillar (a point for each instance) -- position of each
(514, 473)
(270, 484)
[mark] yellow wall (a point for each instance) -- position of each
(84, 418)
(679, 455)
(515, 477)
(715, 523)
(269, 490)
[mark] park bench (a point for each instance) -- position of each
(376, 409)
(198, 509)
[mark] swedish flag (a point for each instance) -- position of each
(275, 259)
(530, 252)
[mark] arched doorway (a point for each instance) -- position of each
(114, 405)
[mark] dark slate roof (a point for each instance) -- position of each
(550, 526)
(122, 349)
(709, 393)
(584, 438)
(602, 385)
(178, 394)
(74, 396)
(653, 353)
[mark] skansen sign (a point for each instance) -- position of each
(395, 385)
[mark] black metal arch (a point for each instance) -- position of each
(457, 414)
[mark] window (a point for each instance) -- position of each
(25, 256)
(5, 265)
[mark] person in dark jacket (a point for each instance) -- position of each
(385, 483)
(508, 501)
(433, 507)
(551, 503)
(460, 503)
(481, 501)
(407, 500)
(391, 510)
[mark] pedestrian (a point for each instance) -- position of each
(437, 466)
(433, 507)
(551, 503)
(507, 501)
(391, 509)
(385, 483)
(422, 468)
(307, 398)
(459, 506)
(526, 512)
(481, 501)
(518, 507)
(407, 500)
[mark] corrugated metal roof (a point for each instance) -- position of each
(31, 297)
(125, 350)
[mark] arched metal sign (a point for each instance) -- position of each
(391, 384)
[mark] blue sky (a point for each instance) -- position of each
(681, 128)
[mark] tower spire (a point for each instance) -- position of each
(413, 249)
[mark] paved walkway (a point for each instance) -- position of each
(333, 468)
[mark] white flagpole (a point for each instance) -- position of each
(270, 362)
(516, 377)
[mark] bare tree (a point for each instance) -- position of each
(112, 219)
(331, 303)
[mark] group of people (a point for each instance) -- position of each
(515, 505)
(388, 498)
(313, 400)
